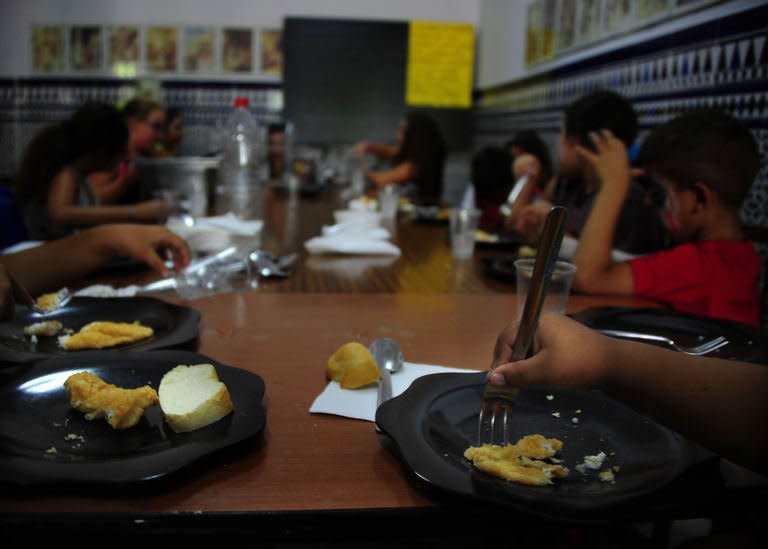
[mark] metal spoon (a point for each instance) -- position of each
(389, 358)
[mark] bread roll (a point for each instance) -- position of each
(352, 366)
(192, 397)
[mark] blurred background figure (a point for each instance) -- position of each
(417, 159)
(51, 183)
(492, 180)
(169, 144)
(276, 151)
(528, 141)
(146, 122)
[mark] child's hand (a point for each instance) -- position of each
(611, 161)
(530, 221)
(566, 354)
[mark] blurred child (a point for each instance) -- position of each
(418, 158)
(173, 133)
(639, 228)
(146, 123)
(51, 183)
(492, 180)
(706, 160)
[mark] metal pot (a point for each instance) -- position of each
(192, 179)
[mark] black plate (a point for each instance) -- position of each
(505, 241)
(435, 420)
(173, 325)
(35, 416)
(430, 214)
(745, 342)
(502, 268)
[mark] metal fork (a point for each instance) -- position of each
(498, 403)
(698, 350)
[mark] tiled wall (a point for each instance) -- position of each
(730, 73)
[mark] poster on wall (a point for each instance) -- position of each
(617, 16)
(199, 43)
(566, 31)
(533, 31)
(440, 64)
(650, 9)
(589, 17)
(85, 46)
(47, 48)
(548, 19)
(123, 50)
(272, 51)
(161, 48)
(237, 50)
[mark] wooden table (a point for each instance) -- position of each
(312, 477)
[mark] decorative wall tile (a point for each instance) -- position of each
(729, 73)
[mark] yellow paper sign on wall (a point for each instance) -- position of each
(440, 64)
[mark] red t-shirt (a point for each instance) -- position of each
(718, 278)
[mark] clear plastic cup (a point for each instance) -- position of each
(389, 199)
(463, 229)
(558, 290)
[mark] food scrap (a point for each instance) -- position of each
(523, 462)
(102, 334)
(594, 463)
(44, 328)
(49, 302)
(122, 408)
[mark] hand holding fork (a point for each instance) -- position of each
(498, 402)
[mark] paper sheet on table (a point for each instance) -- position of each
(361, 403)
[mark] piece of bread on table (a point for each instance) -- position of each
(192, 397)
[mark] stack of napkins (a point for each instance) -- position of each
(211, 234)
(356, 232)
(361, 403)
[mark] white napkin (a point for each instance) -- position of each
(350, 245)
(211, 234)
(363, 218)
(568, 247)
(361, 403)
(104, 290)
(352, 229)
(228, 223)
(232, 224)
(352, 266)
(357, 233)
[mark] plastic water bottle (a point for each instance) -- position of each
(239, 161)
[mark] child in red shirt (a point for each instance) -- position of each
(706, 161)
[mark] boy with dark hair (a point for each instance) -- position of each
(706, 160)
(639, 228)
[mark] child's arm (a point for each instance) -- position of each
(402, 173)
(720, 403)
(597, 272)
